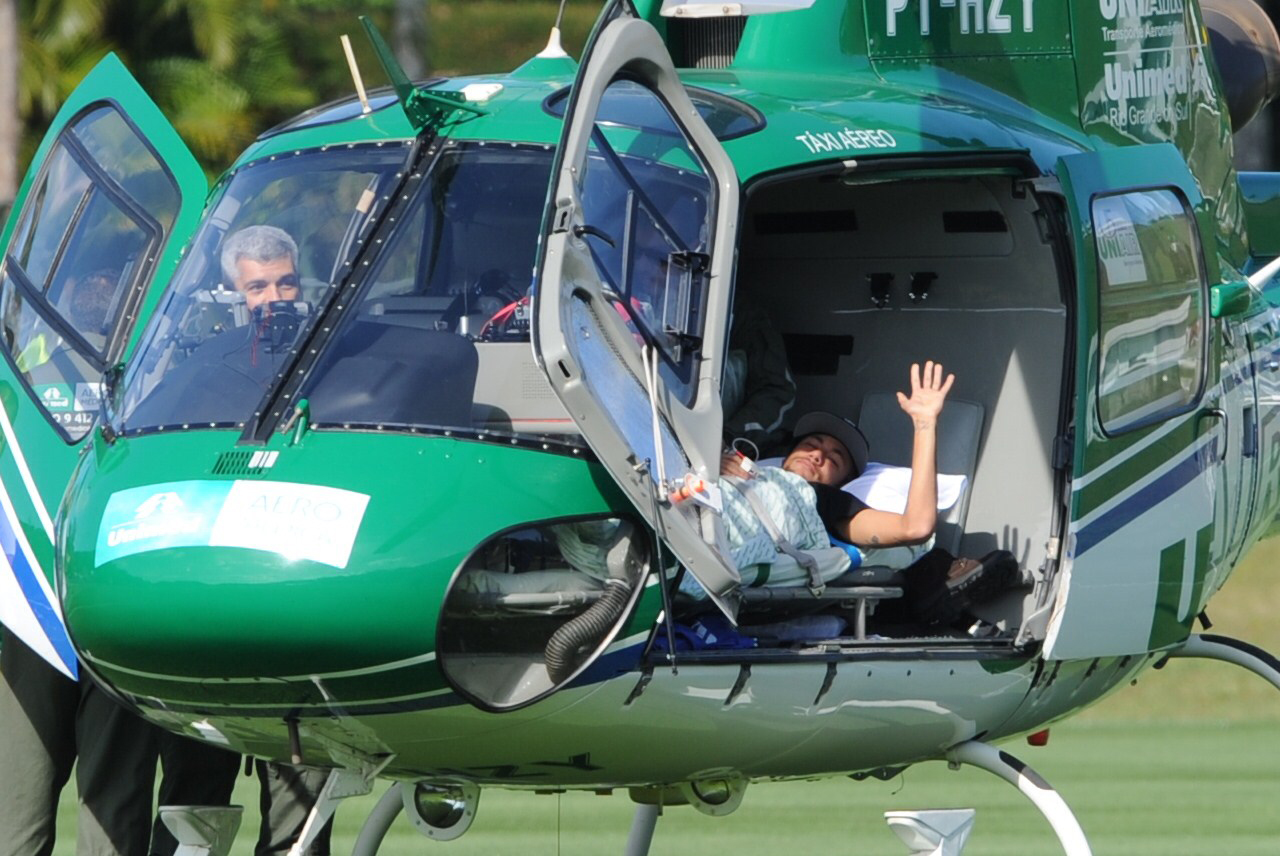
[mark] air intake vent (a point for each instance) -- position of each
(705, 42)
(244, 462)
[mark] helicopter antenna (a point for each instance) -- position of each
(355, 74)
(554, 50)
(1264, 273)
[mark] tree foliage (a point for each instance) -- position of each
(224, 70)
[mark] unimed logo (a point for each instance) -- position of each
(160, 503)
(54, 399)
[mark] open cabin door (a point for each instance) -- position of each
(632, 307)
(1157, 445)
(97, 227)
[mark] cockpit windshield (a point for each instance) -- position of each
(265, 263)
(437, 336)
(431, 330)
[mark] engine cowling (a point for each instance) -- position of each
(1247, 52)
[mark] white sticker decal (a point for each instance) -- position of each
(88, 397)
(295, 520)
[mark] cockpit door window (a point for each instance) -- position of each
(110, 190)
(631, 303)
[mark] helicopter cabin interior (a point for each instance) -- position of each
(863, 276)
(863, 270)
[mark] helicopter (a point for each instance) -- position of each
(418, 515)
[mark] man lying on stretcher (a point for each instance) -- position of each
(801, 505)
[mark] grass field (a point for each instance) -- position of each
(1186, 762)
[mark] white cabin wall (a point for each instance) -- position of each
(994, 316)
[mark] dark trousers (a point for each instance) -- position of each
(286, 797)
(50, 724)
(194, 774)
(47, 724)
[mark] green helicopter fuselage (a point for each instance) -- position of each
(419, 514)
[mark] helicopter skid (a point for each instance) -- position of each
(937, 833)
(1242, 654)
(1031, 785)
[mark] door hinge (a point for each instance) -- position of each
(1063, 450)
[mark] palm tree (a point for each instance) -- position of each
(215, 67)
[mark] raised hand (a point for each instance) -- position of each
(928, 393)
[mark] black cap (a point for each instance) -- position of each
(849, 435)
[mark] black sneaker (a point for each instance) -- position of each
(974, 581)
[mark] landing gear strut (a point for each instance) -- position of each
(1231, 650)
(642, 826)
(379, 821)
(1032, 786)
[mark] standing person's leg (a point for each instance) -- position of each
(287, 795)
(193, 773)
(115, 776)
(37, 747)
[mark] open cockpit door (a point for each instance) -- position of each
(1158, 434)
(632, 306)
(98, 225)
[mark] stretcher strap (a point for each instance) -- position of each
(803, 559)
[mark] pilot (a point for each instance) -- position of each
(261, 262)
(831, 451)
(87, 309)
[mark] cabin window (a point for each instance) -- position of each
(466, 245)
(294, 224)
(1151, 308)
(728, 118)
(85, 241)
(645, 199)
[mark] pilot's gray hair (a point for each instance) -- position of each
(257, 244)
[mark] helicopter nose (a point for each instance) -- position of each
(234, 613)
(239, 579)
(287, 592)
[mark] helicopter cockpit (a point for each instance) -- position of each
(422, 283)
